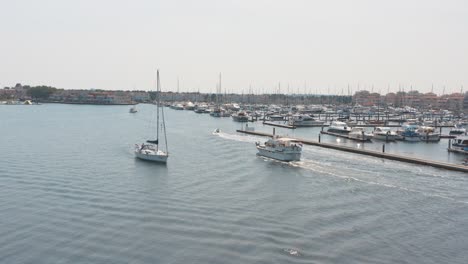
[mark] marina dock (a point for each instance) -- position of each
(279, 125)
(383, 155)
(343, 136)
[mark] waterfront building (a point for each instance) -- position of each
(365, 98)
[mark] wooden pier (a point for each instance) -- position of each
(344, 136)
(279, 125)
(383, 155)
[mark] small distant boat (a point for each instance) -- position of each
(189, 106)
(240, 116)
(283, 149)
(339, 127)
(201, 109)
(304, 121)
(219, 112)
(178, 107)
(133, 110)
(360, 133)
(150, 150)
(384, 133)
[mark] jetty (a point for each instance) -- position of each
(383, 155)
(344, 136)
(279, 125)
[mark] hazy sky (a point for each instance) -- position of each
(323, 45)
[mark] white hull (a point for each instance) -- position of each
(151, 156)
(364, 137)
(430, 138)
(412, 139)
(283, 156)
(384, 137)
(338, 130)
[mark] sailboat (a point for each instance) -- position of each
(218, 111)
(150, 150)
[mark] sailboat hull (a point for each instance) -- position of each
(151, 157)
(151, 154)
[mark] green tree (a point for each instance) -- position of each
(41, 92)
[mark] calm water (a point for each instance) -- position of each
(72, 192)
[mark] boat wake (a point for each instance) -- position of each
(237, 137)
(359, 168)
(351, 176)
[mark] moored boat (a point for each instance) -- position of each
(189, 106)
(460, 145)
(178, 107)
(428, 134)
(304, 121)
(457, 130)
(240, 116)
(360, 134)
(409, 133)
(339, 127)
(384, 133)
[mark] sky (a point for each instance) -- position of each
(307, 45)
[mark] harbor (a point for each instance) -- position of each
(234, 132)
(383, 155)
(109, 194)
(405, 131)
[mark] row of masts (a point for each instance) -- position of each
(348, 91)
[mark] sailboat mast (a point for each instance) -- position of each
(163, 119)
(157, 111)
(219, 87)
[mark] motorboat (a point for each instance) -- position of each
(189, 106)
(304, 121)
(360, 134)
(428, 134)
(409, 133)
(275, 117)
(133, 110)
(384, 133)
(201, 109)
(278, 148)
(178, 107)
(457, 130)
(460, 145)
(339, 127)
(240, 116)
(219, 112)
(151, 151)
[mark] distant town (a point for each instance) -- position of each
(455, 102)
